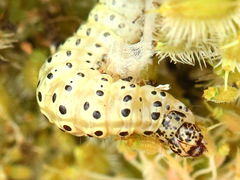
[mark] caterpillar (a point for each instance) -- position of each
(76, 94)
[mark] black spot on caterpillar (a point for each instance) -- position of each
(74, 94)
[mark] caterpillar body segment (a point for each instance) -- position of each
(87, 48)
(75, 94)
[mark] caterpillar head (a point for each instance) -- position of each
(188, 141)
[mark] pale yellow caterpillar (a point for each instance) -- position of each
(75, 94)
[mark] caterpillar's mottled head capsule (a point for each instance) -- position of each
(188, 141)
